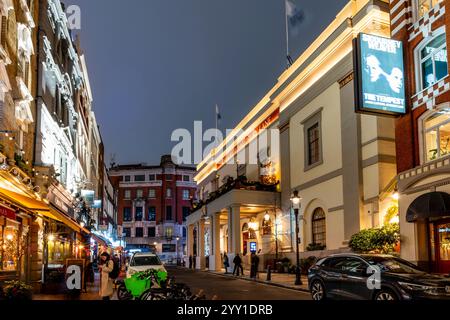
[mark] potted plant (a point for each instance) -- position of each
(377, 240)
(315, 247)
(17, 291)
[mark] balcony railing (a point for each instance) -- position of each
(240, 183)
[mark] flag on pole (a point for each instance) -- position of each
(295, 16)
(218, 115)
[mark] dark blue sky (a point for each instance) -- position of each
(159, 65)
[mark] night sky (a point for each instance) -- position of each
(159, 65)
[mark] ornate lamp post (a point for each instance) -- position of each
(296, 205)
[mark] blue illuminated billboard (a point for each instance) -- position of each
(379, 75)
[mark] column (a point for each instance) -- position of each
(215, 261)
(236, 229)
(201, 261)
(190, 243)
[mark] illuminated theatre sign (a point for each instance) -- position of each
(379, 71)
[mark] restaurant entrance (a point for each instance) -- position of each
(440, 245)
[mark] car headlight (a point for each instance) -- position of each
(418, 287)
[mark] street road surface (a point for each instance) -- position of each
(225, 288)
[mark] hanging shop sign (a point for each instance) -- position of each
(88, 196)
(8, 213)
(379, 75)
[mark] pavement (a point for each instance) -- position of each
(283, 280)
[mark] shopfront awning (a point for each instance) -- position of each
(101, 240)
(22, 201)
(40, 207)
(430, 205)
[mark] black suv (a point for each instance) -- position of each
(373, 277)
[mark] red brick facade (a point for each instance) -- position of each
(411, 32)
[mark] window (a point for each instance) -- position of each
(169, 232)
(437, 134)
(433, 61)
(186, 195)
(139, 214)
(169, 213)
(127, 178)
(186, 212)
(139, 233)
(184, 232)
(313, 145)
(319, 227)
(127, 214)
(127, 232)
(168, 177)
(151, 232)
(169, 193)
(139, 178)
(313, 140)
(151, 214)
(139, 193)
(186, 178)
(152, 193)
(152, 177)
(127, 195)
(423, 6)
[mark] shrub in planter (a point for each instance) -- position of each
(382, 240)
(16, 290)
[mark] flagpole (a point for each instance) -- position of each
(287, 31)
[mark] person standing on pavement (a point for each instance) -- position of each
(238, 265)
(106, 283)
(190, 262)
(254, 266)
(226, 262)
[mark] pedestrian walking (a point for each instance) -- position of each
(226, 262)
(254, 260)
(190, 262)
(238, 265)
(106, 283)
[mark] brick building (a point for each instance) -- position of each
(423, 134)
(153, 204)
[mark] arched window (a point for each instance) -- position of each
(319, 234)
(432, 61)
(437, 134)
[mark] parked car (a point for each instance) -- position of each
(351, 276)
(143, 262)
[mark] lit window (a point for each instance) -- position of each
(152, 193)
(169, 193)
(437, 135)
(139, 193)
(433, 61)
(423, 6)
(186, 195)
(319, 227)
(127, 194)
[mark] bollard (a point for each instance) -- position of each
(269, 273)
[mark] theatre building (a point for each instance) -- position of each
(423, 134)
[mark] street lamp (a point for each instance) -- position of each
(178, 250)
(296, 205)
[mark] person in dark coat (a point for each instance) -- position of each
(226, 262)
(237, 265)
(254, 266)
(190, 262)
